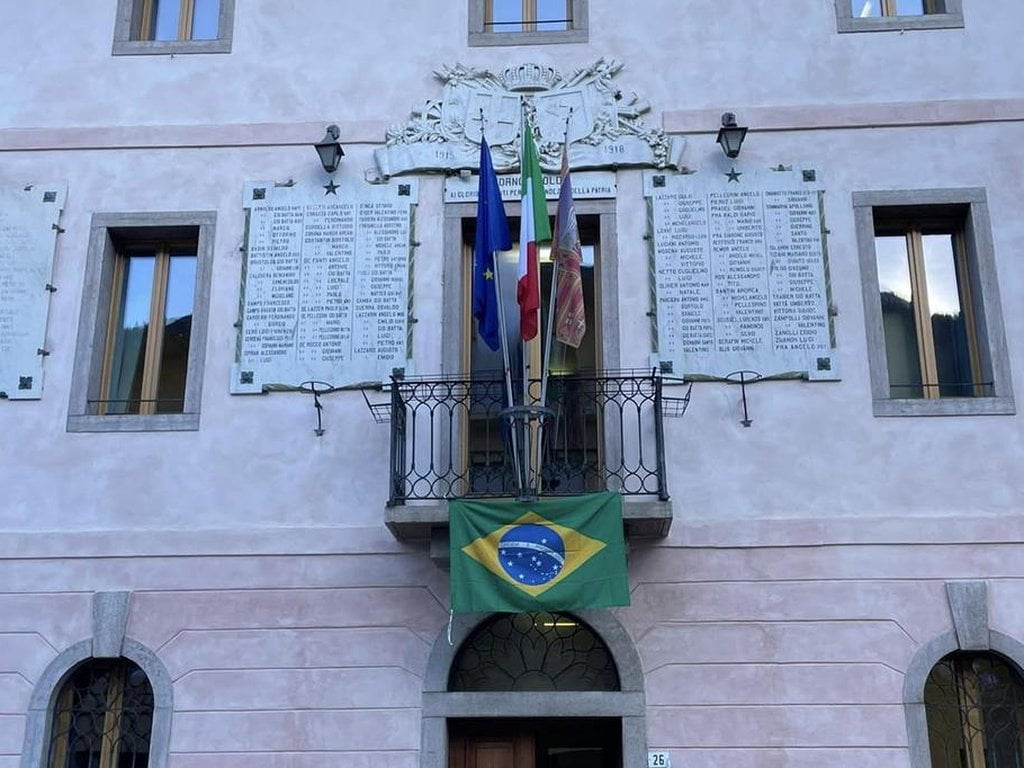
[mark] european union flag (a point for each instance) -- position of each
(546, 555)
(491, 235)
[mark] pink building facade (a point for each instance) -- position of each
(794, 584)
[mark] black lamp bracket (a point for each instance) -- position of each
(316, 389)
(743, 378)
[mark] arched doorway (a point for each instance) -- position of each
(534, 691)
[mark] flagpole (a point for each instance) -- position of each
(522, 341)
(503, 341)
(554, 285)
(554, 253)
(508, 370)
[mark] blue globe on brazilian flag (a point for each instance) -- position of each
(544, 555)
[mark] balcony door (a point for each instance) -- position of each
(573, 456)
(482, 360)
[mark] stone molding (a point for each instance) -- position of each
(110, 610)
(584, 108)
(796, 117)
(109, 623)
(753, 533)
(628, 703)
(968, 605)
(987, 307)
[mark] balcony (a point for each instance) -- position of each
(453, 437)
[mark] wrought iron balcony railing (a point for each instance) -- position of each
(452, 436)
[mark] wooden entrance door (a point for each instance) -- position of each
(514, 750)
(530, 743)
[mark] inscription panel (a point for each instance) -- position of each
(29, 216)
(326, 285)
(740, 274)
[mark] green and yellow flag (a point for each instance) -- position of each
(546, 555)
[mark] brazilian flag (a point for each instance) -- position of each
(545, 555)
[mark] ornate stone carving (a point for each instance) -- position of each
(605, 128)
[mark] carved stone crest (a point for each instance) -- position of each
(605, 128)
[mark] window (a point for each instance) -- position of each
(974, 705)
(173, 26)
(145, 362)
(881, 15)
(103, 717)
(522, 22)
(935, 334)
(143, 324)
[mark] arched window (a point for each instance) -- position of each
(533, 652)
(974, 703)
(103, 717)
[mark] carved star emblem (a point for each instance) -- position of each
(488, 274)
(734, 175)
(331, 188)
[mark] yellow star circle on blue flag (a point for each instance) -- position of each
(532, 553)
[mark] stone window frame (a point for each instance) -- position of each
(580, 32)
(628, 703)
(127, 21)
(972, 631)
(987, 307)
(953, 18)
(93, 318)
(108, 641)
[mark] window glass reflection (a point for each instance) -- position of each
(205, 19)
(949, 327)
(553, 15)
(132, 331)
(901, 345)
(181, 280)
(507, 16)
(165, 19)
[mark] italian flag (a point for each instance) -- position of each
(534, 228)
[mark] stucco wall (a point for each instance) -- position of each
(775, 655)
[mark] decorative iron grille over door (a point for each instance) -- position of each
(103, 718)
(533, 652)
(975, 709)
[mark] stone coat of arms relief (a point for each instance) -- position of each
(604, 128)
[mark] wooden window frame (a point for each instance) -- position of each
(186, 19)
(481, 18)
(983, 309)
(528, 16)
(951, 18)
(162, 252)
(110, 234)
(913, 232)
(134, 16)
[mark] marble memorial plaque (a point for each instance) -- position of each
(741, 274)
(326, 285)
(29, 217)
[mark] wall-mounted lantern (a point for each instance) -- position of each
(731, 136)
(329, 149)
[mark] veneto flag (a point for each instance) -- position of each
(534, 227)
(546, 555)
